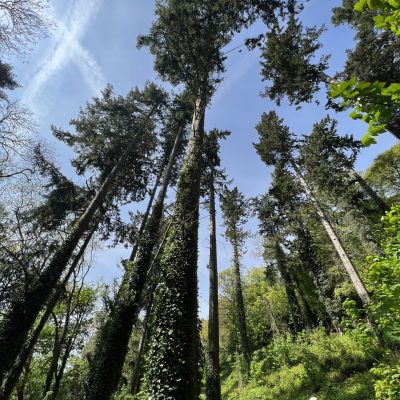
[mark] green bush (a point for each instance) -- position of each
(388, 386)
(330, 367)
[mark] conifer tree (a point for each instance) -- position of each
(113, 338)
(328, 162)
(235, 214)
(18, 321)
(288, 63)
(276, 147)
(272, 216)
(292, 219)
(213, 178)
(187, 41)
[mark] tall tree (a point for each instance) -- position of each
(187, 41)
(291, 209)
(18, 321)
(272, 212)
(113, 339)
(276, 147)
(235, 214)
(213, 177)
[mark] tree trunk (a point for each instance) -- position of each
(383, 207)
(135, 382)
(310, 261)
(393, 127)
(348, 265)
(113, 339)
(20, 390)
(60, 373)
(58, 343)
(146, 216)
(294, 307)
(12, 377)
(175, 345)
(310, 319)
(54, 358)
(241, 315)
(213, 383)
(17, 323)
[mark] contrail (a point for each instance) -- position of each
(66, 49)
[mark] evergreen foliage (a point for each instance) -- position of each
(317, 318)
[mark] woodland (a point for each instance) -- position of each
(318, 319)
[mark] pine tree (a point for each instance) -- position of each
(276, 147)
(271, 212)
(113, 338)
(213, 178)
(18, 321)
(235, 214)
(328, 162)
(187, 40)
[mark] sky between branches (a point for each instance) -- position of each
(95, 43)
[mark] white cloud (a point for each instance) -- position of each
(235, 72)
(65, 48)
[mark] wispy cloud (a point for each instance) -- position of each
(235, 72)
(66, 48)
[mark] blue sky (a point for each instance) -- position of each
(95, 43)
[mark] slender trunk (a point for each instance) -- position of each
(241, 315)
(54, 358)
(294, 307)
(60, 373)
(58, 343)
(146, 216)
(20, 390)
(311, 262)
(348, 265)
(310, 319)
(383, 207)
(135, 382)
(175, 339)
(17, 323)
(11, 379)
(213, 383)
(112, 345)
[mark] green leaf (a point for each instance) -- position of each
(367, 140)
(394, 3)
(355, 115)
(360, 5)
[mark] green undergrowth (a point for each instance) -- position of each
(328, 367)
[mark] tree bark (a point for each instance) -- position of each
(135, 381)
(241, 315)
(112, 344)
(393, 127)
(348, 265)
(310, 260)
(54, 358)
(213, 382)
(16, 324)
(12, 377)
(59, 340)
(60, 373)
(176, 304)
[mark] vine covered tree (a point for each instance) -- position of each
(25, 308)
